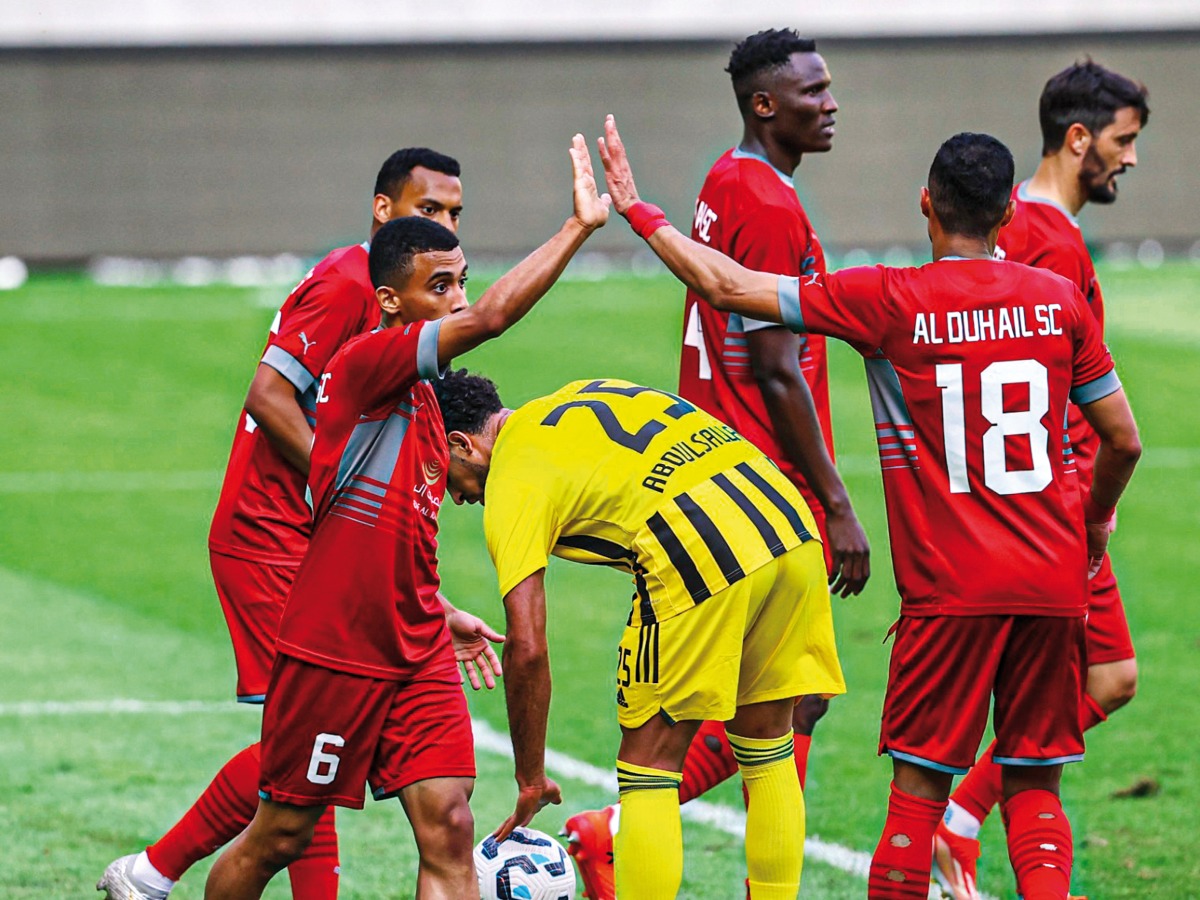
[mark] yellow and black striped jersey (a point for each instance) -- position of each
(612, 473)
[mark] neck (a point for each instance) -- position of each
(753, 142)
(491, 428)
(961, 245)
(1057, 179)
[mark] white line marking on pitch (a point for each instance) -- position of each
(722, 818)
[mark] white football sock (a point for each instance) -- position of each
(148, 878)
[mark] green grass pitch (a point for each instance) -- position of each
(119, 408)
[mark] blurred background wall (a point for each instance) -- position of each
(167, 147)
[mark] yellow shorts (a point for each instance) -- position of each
(765, 637)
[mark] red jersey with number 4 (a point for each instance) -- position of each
(749, 211)
(1045, 235)
(970, 364)
(365, 598)
(261, 514)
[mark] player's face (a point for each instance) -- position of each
(805, 107)
(436, 287)
(466, 476)
(434, 195)
(1110, 153)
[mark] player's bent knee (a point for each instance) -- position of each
(446, 835)
(1113, 685)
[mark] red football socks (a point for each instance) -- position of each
(802, 743)
(709, 761)
(1039, 844)
(902, 860)
(223, 811)
(314, 875)
(219, 815)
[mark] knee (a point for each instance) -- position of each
(808, 710)
(282, 846)
(448, 837)
(1117, 686)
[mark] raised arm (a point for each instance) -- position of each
(510, 298)
(719, 280)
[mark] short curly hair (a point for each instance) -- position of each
(759, 55)
(970, 182)
(467, 401)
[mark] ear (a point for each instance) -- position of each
(1009, 211)
(926, 207)
(389, 300)
(1078, 139)
(381, 208)
(762, 104)
(460, 441)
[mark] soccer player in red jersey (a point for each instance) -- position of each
(970, 362)
(752, 374)
(1090, 118)
(364, 688)
(262, 523)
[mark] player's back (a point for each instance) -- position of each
(970, 367)
(262, 513)
(609, 472)
(749, 211)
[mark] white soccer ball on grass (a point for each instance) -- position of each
(527, 865)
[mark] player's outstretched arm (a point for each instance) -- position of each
(527, 695)
(470, 636)
(719, 280)
(1120, 449)
(271, 402)
(510, 298)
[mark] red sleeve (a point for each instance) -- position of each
(383, 367)
(329, 313)
(1093, 375)
(773, 239)
(847, 305)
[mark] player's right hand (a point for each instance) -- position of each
(1098, 534)
(851, 553)
(617, 172)
(531, 800)
(591, 207)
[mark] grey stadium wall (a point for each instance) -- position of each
(224, 151)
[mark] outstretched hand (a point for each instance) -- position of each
(617, 172)
(530, 801)
(591, 207)
(470, 635)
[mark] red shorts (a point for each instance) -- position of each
(327, 733)
(252, 595)
(945, 670)
(1108, 638)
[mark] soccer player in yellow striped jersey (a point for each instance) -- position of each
(730, 614)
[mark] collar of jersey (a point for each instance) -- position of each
(1023, 194)
(739, 153)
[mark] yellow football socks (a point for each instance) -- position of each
(649, 842)
(775, 817)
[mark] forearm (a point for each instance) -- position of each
(721, 282)
(1112, 470)
(527, 693)
(283, 422)
(794, 417)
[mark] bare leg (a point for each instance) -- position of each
(277, 836)
(444, 829)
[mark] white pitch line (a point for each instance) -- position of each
(210, 479)
(488, 739)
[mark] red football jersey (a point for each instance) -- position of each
(365, 597)
(970, 364)
(261, 514)
(1045, 235)
(749, 211)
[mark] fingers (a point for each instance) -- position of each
(472, 675)
(485, 630)
(493, 662)
(506, 828)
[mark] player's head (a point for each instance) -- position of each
(970, 183)
(418, 270)
(1092, 116)
(417, 181)
(470, 406)
(782, 87)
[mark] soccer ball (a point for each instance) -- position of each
(527, 865)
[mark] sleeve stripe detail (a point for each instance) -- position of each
(789, 303)
(1097, 389)
(427, 350)
(289, 367)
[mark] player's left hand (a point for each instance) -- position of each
(470, 636)
(591, 207)
(617, 172)
(1098, 534)
(850, 551)
(530, 801)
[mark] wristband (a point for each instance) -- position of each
(1094, 514)
(645, 219)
